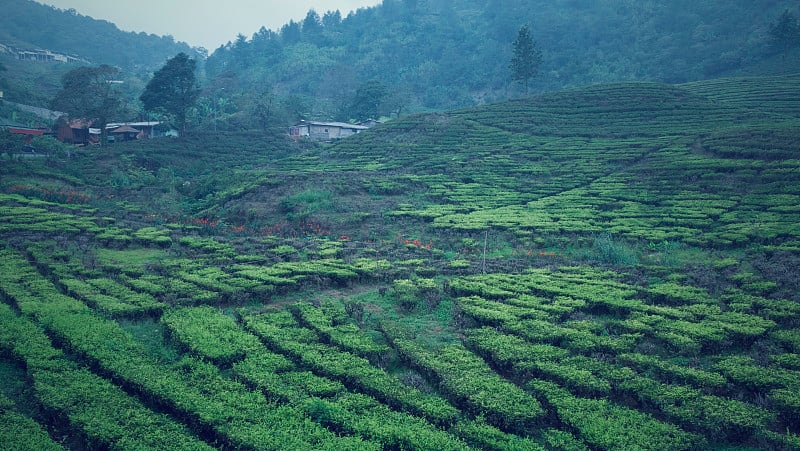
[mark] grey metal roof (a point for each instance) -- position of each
(333, 124)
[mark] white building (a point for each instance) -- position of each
(325, 131)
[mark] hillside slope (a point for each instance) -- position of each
(435, 55)
(29, 25)
(650, 162)
(778, 94)
(608, 267)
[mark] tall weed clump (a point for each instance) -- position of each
(607, 250)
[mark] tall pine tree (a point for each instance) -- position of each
(526, 59)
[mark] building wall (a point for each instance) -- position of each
(329, 132)
(322, 132)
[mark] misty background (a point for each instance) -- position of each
(203, 23)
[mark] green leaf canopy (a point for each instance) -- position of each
(173, 89)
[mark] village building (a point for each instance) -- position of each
(124, 133)
(133, 130)
(80, 131)
(40, 55)
(77, 131)
(325, 131)
(369, 123)
(15, 128)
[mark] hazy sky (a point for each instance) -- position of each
(206, 23)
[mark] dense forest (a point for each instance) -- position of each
(409, 56)
(442, 54)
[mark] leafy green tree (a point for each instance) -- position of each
(367, 100)
(263, 106)
(11, 143)
(51, 146)
(785, 33)
(397, 101)
(241, 47)
(291, 33)
(526, 59)
(312, 27)
(90, 93)
(332, 19)
(173, 89)
(297, 107)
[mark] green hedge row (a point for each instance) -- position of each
(279, 379)
(473, 384)
(105, 303)
(98, 410)
(281, 332)
(526, 361)
(196, 392)
(215, 279)
(210, 334)
(712, 415)
(154, 236)
(715, 416)
(112, 297)
(572, 335)
(345, 335)
(34, 219)
(744, 370)
(535, 304)
(209, 245)
(481, 435)
(328, 403)
(19, 432)
(147, 283)
(672, 372)
(606, 425)
(357, 414)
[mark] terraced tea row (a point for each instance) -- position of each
(552, 300)
(194, 392)
(774, 94)
(91, 404)
(608, 267)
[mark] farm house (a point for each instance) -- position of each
(325, 131)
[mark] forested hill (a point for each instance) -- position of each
(449, 53)
(30, 25)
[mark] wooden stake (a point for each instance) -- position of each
(485, 242)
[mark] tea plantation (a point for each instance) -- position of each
(610, 267)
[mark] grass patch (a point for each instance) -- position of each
(151, 334)
(122, 259)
